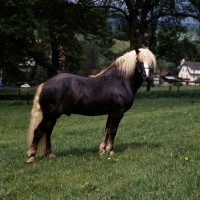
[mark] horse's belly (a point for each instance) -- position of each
(91, 111)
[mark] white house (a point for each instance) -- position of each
(189, 72)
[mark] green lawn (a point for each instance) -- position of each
(157, 155)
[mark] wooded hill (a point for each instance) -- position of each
(50, 29)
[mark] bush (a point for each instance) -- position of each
(167, 94)
(178, 84)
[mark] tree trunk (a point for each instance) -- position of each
(148, 85)
(55, 65)
(132, 32)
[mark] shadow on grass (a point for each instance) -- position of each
(119, 148)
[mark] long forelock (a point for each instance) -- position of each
(127, 63)
(146, 56)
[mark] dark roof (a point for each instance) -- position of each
(164, 73)
(192, 65)
(157, 71)
(170, 79)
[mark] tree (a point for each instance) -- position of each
(91, 58)
(136, 16)
(64, 23)
(198, 80)
(16, 36)
(140, 21)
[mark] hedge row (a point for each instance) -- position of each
(168, 94)
(140, 94)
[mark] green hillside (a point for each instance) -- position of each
(120, 46)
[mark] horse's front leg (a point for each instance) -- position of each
(115, 120)
(102, 147)
(48, 151)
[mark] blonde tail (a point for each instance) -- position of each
(36, 118)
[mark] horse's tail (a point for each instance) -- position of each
(36, 118)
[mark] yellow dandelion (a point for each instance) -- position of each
(116, 159)
(133, 140)
(109, 158)
(86, 183)
(186, 158)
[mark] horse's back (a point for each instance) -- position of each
(67, 93)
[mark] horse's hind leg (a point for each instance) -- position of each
(102, 147)
(48, 141)
(45, 126)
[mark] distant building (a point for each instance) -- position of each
(166, 78)
(156, 78)
(27, 64)
(189, 72)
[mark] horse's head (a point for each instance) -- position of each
(146, 72)
(145, 63)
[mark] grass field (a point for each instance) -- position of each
(157, 155)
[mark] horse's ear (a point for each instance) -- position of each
(137, 50)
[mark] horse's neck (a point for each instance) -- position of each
(136, 81)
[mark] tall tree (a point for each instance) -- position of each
(138, 16)
(64, 24)
(139, 19)
(16, 35)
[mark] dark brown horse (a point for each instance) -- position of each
(110, 92)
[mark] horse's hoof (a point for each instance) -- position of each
(31, 159)
(109, 152)
(52, 155)
(101, 153)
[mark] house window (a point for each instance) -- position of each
(183, 70)
(194, 70)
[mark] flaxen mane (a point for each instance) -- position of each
(126, 63)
